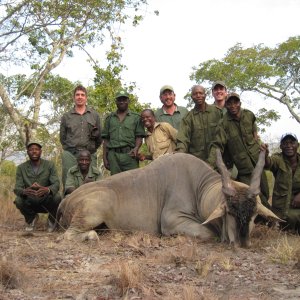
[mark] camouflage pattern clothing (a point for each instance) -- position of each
(198, 130)
(121, 137)
(286, 186)
(162, 116)
(46, 176)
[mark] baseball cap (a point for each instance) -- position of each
(221, 83)
(166, 87)
(233, 95)
(289, 135)
(33, 143)
(121, 93)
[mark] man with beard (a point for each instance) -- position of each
(82, 173)
(122, 135)
(238, 132)
(285, 167)
(170, 112)
(36, 188)
(198, 127)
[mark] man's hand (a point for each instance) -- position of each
(134, 152)
(296, 201)
(106, 163)
(36, 190)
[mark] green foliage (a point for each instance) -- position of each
(272, 72)
(8, 168)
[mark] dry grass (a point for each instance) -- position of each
(129, 277)
(285, 249)
(11, 275)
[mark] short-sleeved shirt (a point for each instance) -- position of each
(122, 134)
(75, 178)
(286, 184)
(46, 176)
(198, 130)
(162, 116)
(80, 131)
(162, 140)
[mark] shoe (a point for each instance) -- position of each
(51, 226)
(30, 226)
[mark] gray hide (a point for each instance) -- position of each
(174, 194)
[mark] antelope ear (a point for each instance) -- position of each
(265, 212)
(217, 213)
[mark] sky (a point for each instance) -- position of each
(163, 49)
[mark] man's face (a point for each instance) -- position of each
(122, 103)
(233, 106)
(80, 98)
(148, 119)
(289, 146)
(167, 97)
(219, 93)
(198, 95)
(34, 152)
(84, 162)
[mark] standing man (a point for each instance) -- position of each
(79, 130)
(198, 127)
(219, 92)
(238, 132)
(170, 112)
(285, 167)
(122, 135)
(82, 173)
(36, 188)
(161, 136)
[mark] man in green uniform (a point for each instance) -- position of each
(219, 92)
(36, 188)
(285, 167)
(170, 112)
(79, 130)
(198, 127)
(82, 173)
(238, 132)
(122, 135)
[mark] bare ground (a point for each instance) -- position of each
(141, 266)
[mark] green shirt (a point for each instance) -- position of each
(175, 119)
(198, 130)
(75, 178)
(238, 137)
(80, 131)
(122, 134)
(286, 185)
(46, 176)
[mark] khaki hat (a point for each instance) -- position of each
(233, 95)
(288, 135)
(121, 93)
(166, 87)
(221, 83)
(33, 143)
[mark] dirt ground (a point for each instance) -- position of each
(141, 266)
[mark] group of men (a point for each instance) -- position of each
(224, 125)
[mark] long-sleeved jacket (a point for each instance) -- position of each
(80, 131)
(46, 176)
(286, 185)
(198, 130)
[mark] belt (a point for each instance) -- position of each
(125, 149)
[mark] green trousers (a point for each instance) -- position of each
(69, 160)
(120, 162)
(29, 207)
